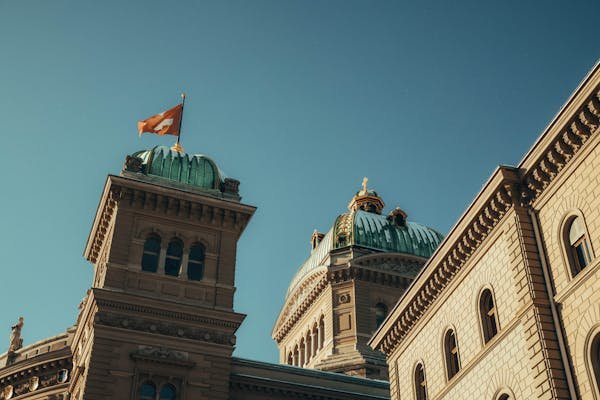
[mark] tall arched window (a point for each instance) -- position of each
(195, 269)
(381, 311)
(290, 359)
(309, 346)
(302, 353)
(167, 392)
(173, 260)
(451, 353)
(420, 384)
(504, 396)
(595, 359)
(321, 332)
(578, 245)
(147, 391)
(487, 315)
(151, 253)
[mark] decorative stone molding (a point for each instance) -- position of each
(32, 378)
(162, 355)
(167, 329)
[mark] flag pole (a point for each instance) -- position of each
(177, 147)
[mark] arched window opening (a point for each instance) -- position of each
(381, 312)
(302, 353)
(595, 359)
(167, 392)
(296, 356)
(315, 339)
(309, 353)
(151, 253)
(147, 391)
(290, 359)
(195, 269)
(420, 384)
(487, 314)
(504, 396)
(579, 247)
(173, 260)
(451, 354)
(321, 332)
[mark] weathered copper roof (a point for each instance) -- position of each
(190, 169)
(370, 230)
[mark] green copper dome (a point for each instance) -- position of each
(374, 231)
(384, 233)
(195, 170)
(192, 172)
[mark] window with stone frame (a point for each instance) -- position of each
(147, 391)
(578, 245)
(173, 258)
(381, 312)
(594, 358)
(420, 383)
(195, 266)
(151, 253)
(451, 354)
(488, 315)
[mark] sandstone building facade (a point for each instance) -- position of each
(508, 307)
(505, 307)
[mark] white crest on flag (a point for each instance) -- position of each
(163, 124)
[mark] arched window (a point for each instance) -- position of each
(167, 392)
(504, 396)
(147, 391)
(578, 245)
(595, 359)
(381, 311)
(151, 253)
(321, 332)
(290, 359)
(420, 384)
(195, 269)
(173, 260)
(487, 315)
(309, 347)
(451, 354)
(302, 353)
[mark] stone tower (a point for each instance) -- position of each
(354, 275)
(159, 317)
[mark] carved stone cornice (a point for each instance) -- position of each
(32, 378)
(163, 201)
(139, 324)
(485, 213)
(574, 133)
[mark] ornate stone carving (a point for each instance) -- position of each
(133, 164)
(16, 341)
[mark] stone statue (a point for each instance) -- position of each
(16, 342)
(364, 184)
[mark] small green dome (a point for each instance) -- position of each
(195, 170)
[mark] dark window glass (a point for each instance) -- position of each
(451, 353)
(173, 259)
(420, 385)
(381, 311)
(595, 359)
(151, 254)
(147, 391)
(167, 392)
(504, 396)
(487, 311)
(579, 248)
(195, 268)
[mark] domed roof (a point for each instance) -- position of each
(373, 231)
(192, 172)
(190, 169)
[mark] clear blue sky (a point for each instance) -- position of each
(297, 99)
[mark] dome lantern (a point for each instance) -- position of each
(366, 200)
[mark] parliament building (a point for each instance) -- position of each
(505, 306)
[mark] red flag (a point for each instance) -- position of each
(165, 123)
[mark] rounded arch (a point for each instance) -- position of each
(195, 263)
(592, 358)
(450, 352)
(381, 312)
(504, 393)
(486, 309)
(419, 379)
(566, 232)
(174, 256)
(151, 252)
(167, 392)
(144, 232)
(147, 391)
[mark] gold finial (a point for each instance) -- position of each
(177, 147)
(364, 184)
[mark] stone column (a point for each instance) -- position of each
(184, 265)
(161, 261)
